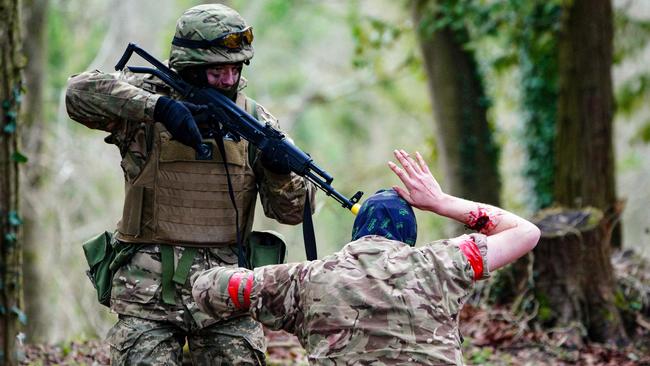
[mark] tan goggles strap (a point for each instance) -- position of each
(231, 40)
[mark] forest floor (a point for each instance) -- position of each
(492, 335)
(490, 339)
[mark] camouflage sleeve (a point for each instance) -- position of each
(222, 292)
(105, 101)
(455, 271)
(282, 196)
(270, 294)
(275, 299)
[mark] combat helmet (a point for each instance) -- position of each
(210, 34)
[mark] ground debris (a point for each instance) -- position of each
(90, 353)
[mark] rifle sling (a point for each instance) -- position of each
(241, 258)
(308, 231)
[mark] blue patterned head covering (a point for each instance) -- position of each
(386, 214)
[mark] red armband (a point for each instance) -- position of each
(473, 255)
(233, 289)
(247, 291)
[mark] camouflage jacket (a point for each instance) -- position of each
(122, 104)
(376, 301)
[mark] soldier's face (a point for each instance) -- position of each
(223, 77)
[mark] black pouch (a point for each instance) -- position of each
(105, 255)
(265, 247)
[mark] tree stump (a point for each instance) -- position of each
(573, 274)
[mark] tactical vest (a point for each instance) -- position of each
(180, 200)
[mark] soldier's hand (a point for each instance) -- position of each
(422, 189)
(179, 120)
(274, 160)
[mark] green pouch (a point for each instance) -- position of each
(265, 247)
(99, 255)
(105, 256)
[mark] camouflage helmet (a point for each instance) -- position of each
(199, 32)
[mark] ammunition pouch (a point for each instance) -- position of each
(105, 255)
(264, 248)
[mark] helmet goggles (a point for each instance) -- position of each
(232, 40)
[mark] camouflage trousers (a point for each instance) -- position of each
(138, 341)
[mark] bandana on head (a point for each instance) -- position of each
(386, 214)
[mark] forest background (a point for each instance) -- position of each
(349, 83)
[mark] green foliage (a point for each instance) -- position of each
(9, 109)
(523, 34)
(70, 32)
(481, 355)
(545, 312)
(457, 16)
(630, 35)
(630, 39)
(632, 94)
(643, 134)
(370, 35)
(539, 69)
(374, 38)
(19, 157)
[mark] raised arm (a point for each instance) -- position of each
(104, 101)
(508, 235)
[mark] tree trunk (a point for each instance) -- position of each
(466, 149)
(584, 177)
(10, 257)
(570, 284)
(31, 134)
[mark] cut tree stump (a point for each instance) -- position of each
(573, 275)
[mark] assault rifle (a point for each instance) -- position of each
(243, 125)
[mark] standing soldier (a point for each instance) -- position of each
(378, 300)
(180, 214)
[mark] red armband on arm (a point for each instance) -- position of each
(237, 288)
(473, 255)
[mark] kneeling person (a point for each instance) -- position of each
(379, 299)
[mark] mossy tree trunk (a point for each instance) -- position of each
(10, 257)
(586, 175)
(464, 139)
(32, 127)
(575, 272)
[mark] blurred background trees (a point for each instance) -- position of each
(11, 245)
(487, 90)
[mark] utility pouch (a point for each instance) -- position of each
(105, 255)
(99, 255)
(265, 247)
